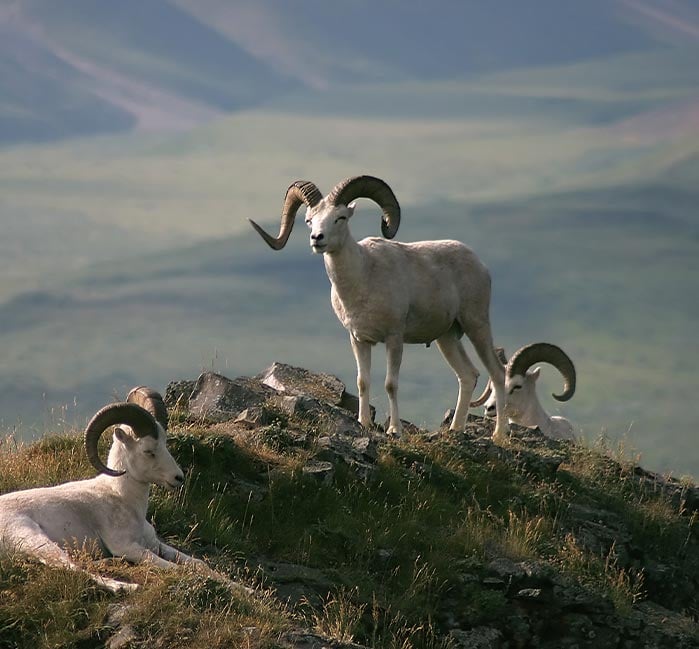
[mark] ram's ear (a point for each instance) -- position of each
(121, 435)
(535, 373)
(350, 208)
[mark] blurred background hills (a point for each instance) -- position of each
(560, 140)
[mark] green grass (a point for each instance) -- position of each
(394, 549)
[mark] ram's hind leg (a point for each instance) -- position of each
(482, 341)
(454, 353)
(29, 539)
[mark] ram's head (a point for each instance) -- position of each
(327, 217)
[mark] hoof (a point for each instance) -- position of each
(501, 439)
(394, 431)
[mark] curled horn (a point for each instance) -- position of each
(528, 355)
(301, 191)
(485, 395)
(140, 420)
(375, 189)
(151, 401)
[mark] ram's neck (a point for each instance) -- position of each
(131, 491)
(535, 417)
(346, 268)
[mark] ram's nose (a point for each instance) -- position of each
(318, 243)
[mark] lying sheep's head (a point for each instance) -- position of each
(140, 434)
(520, 396)
(327, 217)
(520, 380)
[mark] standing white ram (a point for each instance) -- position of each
(108, 511)
(397, 293)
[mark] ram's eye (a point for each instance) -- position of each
(515, 387)
(340, 218)
(150, 454)
(308, 222)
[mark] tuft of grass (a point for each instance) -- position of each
(53, 459)
(602, 574)
(339, 616)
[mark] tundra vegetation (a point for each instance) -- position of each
(444, 534)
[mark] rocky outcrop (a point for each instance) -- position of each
(292, 408)
(318, 413)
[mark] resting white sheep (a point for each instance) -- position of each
(397, 293)
(110, 509)
(522, 405)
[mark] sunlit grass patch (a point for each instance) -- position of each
(53, 459)
(42, 608)
(188, 610)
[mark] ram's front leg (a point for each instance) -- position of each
(394, 356)
(167, 552)
(362, 354)
(173, 555)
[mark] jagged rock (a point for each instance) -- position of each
(253, 417)
(177, 394)
(124, 637)
(124, 634)
(477, 442)
(574, 598)
(600, 531)
(359, 453)
(321, 471)
(447, 418)
(531, 594)
(295, 404)
(218, 398)
(249, 491)
(325, 418)
(506, 569)
(683, 495)
(482, 637)
(319, 385)
(295, 583)
(300, 381)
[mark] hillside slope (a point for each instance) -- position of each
(77, 68)
(436, 541)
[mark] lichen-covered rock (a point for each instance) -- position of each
(482, 637)
(218, 398)
(177, 394)
(300, 381)
(359, 453)
(318, 385)
(294, 583)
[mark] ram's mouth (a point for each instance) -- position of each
(319, 247)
